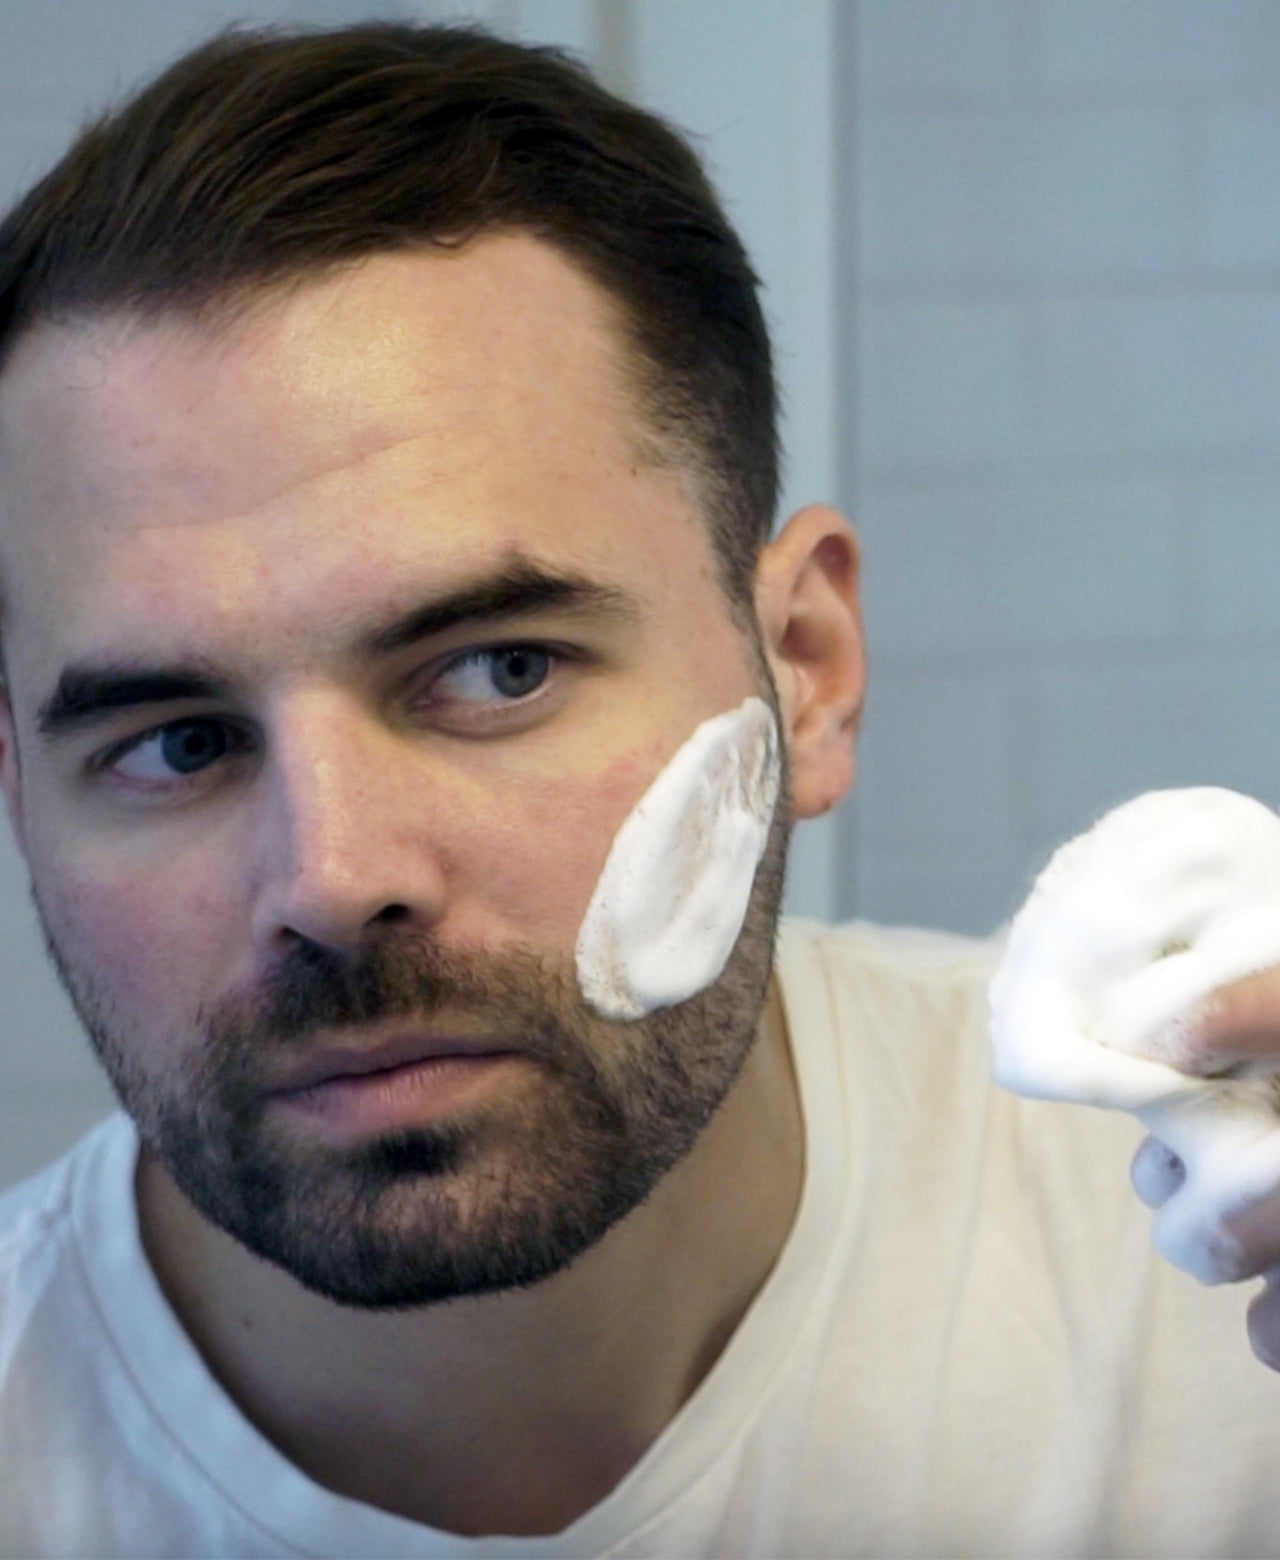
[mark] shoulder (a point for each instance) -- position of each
(911, 989)
(904, 1014)
(34, 1215)
(37, 1225)
(899, 953)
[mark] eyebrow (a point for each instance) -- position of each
(88, 692)
(520, 587)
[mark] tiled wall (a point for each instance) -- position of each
(1062, 255)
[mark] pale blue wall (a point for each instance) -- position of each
(1062, 258)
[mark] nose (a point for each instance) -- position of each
(345, 843)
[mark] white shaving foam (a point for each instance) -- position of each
(1126, 931)
(673, 893)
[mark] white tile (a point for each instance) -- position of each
(1100, 734)
(64, 57)
(922, 567)
(28, 149)
(1233, 364)
(496, 14)
(1101, 191)
(36, 1129)
(933, 195)
(1118, 375)
(1238, 738)
(68, 57)
(325, 13)
(935, 757)
(723, 74)
(1130, 45)
(1025, 193)
(926, 48)
(1235, 550)
(40, 1036)
(961, 888)
(1020, 564)
(567, 23)
(815, 867)
(1241, 187)
(1185, 375)
(940, 383)
(1082, 563)
(41, 1041)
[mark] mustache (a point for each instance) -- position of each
(315, 988)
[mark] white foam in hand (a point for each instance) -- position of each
(1127, 930)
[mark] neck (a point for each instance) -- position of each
(513, 1412)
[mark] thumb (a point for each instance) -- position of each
(1264, 1321)
(1237, 1024)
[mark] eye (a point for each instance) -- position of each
(175, 751)
(499, 673)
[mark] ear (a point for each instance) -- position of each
(10, 771)
(811, 623)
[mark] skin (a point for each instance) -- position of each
(1238, 1026)
(264, 492)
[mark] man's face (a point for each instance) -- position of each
(341, 638)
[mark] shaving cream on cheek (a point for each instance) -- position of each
(1127, 930)
(673, 893)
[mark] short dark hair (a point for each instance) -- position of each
(265, 155)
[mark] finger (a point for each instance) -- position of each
(1237, 1024)
(1256, 1230)
(1264, 1321)
(1156, 1172)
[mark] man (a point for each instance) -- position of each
(386, 473)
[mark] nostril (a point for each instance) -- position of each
(392, 915)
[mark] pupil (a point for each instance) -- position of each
(519, 671)
(192, 745)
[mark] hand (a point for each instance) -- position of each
(1237, 1028)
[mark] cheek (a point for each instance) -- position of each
(146, 940)
(532, 864)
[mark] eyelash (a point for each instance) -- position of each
(552, 655)
(240, 740)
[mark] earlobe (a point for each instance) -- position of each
(808, 610)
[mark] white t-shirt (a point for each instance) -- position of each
(966, 1346)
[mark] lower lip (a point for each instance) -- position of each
(408, 1096)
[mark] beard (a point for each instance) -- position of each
(497, 1196)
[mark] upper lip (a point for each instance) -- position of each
(399, 1050)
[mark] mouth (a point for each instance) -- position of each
(408, 1080)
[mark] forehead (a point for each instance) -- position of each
(430, 412)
